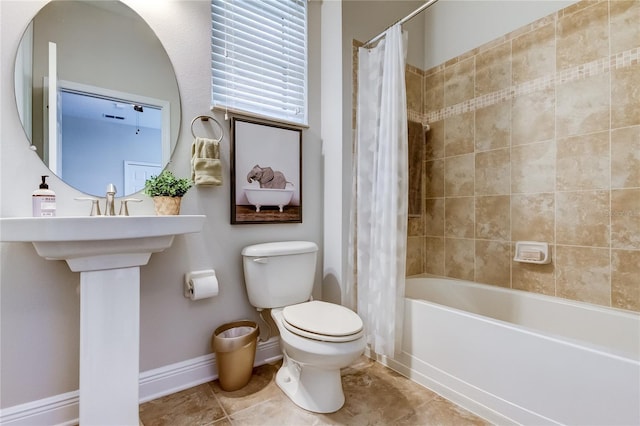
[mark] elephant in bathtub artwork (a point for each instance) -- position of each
(274, 188)
(267, 177)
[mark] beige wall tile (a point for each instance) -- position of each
(433, 91)
(624, 17)
(434, 217)
(533, 117)
(625, 285)
(434, 256)
(588, 29)
(572, 175)
(459, 134)
(493, 126)
(459, 175)
(459, 258)
(577, 6)
(493, 218)
(459, 82)
(625, 218)
(415, 226)
(533, 167)
(583, 273)
(493, 172)
(413, 83)
(459, 217)
(581, 218)
(493, 263)
(583, 106)
(415, 255)
(493, 69)
(534, 54)
(625, 96)
(583, 162)
(533, 217)
(534, 278)
(434, 173)
(625, 157)
(434, 147)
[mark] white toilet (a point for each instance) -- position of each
(317, 338)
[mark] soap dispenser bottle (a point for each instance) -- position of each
(44, 200)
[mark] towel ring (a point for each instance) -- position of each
(207, 118)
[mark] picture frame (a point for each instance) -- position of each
(266, 172)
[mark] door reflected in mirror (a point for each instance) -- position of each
(119, 136)
(115, 103)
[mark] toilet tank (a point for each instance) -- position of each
(279, 274)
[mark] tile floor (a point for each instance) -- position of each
(375, 395)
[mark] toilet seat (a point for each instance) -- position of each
(322, 321)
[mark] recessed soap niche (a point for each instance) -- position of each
(532, 252)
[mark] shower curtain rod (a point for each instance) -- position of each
(401, 21)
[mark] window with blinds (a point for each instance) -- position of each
(259, 58)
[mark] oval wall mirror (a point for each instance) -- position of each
(97, 95)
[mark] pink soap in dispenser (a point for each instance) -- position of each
(44, 200)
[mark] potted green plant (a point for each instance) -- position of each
(167, 191)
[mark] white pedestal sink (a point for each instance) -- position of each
(108, 252)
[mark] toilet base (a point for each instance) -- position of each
(314, 389)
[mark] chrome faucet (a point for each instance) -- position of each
(109, 208)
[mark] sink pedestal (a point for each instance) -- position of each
(109, 346)
(108, 253)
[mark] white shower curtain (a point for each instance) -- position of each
(378, 236)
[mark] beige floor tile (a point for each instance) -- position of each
(191, 407)
(441, 412)
(371, 399)
(261, 387)
(375, 395)
(277, 411)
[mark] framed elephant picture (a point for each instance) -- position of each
(266, 173)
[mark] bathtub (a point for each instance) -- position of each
(268, 197)
(515, 357)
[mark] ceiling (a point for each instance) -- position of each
(103, 109)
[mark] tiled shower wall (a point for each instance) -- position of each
(536, 136)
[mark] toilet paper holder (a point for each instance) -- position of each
(194, 275)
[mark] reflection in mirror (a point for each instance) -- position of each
(114, 97)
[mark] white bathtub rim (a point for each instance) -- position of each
(554, 337)
(562, 340)
(266, 190)
(555, 299)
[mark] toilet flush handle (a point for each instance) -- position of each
(261, 260)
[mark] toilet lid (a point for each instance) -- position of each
(322, 321)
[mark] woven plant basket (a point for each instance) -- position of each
(167, 205)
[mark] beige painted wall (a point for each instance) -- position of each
(39, 310)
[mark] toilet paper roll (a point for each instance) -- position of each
(203, 287)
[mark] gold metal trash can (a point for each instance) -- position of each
(235, 347)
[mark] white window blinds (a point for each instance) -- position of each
(259, 58)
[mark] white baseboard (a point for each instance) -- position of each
(59, 409)
(187, 374)
(63, 409)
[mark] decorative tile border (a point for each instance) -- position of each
(580, 72)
